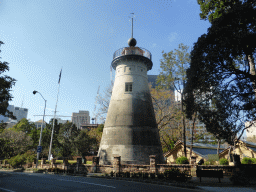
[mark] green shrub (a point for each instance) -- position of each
(152, 175)
(133, 175)
(224, 161)
(247, 160)
(182, 160)
(127, 174)
(145, 175)
(172, 173)
(17, 160)
(106, 175)
(183, 176)
(30, 156)
(209, 162)
(254, 160)
(160, 175)
(176, 174)
(139, 175)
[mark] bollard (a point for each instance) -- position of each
(43, 161)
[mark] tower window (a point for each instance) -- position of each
(128, 87)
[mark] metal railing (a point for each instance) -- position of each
(132, 51)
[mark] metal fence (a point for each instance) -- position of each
(132, 51)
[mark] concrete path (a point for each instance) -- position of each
(227, 189)
(212, 184)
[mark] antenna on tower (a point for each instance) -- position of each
(132, 16)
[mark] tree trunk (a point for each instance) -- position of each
(192, 135)
(184, 126)
(218, 148)
(229, 154)
(252, 70)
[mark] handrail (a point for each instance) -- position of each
(132, 51)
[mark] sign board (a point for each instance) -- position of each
(39, 149)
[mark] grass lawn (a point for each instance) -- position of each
(89, 162)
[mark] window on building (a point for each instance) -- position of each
(128, 87)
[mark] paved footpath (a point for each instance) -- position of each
(212, 184)
(227, 189)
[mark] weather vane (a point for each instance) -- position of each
(132, 22)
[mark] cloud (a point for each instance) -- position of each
(173, 36)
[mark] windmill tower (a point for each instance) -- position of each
(130, 129)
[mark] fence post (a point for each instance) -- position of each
(95, 164)
(153, 168)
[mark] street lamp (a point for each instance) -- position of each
(34, 92)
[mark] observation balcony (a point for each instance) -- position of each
(133, 53)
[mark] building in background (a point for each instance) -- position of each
(59, 120)
(38, 124)
(152, 80)
(11, 123)
(80, 118)
(18, 112)
(88, 127)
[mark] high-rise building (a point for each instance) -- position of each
(59, 120)
(80, 118)
(18, 112)
(152, 80)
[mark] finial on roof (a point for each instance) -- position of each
(132, 41)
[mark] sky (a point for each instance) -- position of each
(80, 37)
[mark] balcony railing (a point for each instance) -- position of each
(132, 51)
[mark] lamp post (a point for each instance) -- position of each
(34, 92)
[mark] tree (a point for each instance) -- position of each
(218, 75)
(84, 142)
(168, 117)
(25, 126)
(97, 134)
(30, 130)
(2, 126)
(66, 137)
(6, 83)
(173, 74)
(14, 143)
(102, 101)
(212, 9)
